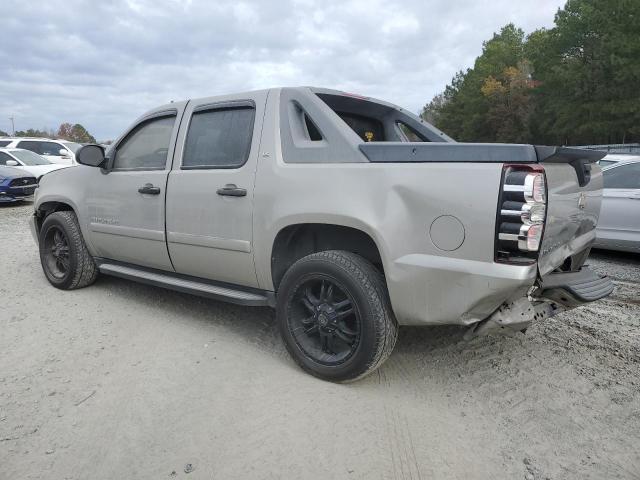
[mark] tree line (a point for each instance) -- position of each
(573, 84)
(73, 133)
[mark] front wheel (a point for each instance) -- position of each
(334, 315)
(65, 260)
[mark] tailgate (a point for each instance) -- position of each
(574, 191)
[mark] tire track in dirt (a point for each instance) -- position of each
(400, 445)
(401, 448)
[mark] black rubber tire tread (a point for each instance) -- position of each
(84, 268)
(372, 283)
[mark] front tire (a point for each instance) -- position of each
(65, 260)
(335, 317)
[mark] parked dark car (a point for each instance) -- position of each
(16, 185)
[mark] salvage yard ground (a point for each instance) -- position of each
(122, 380)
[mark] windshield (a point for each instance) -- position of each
(29, 158)
(74, 147)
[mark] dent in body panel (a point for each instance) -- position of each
(441, 290)
(395, 205)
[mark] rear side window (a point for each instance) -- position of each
(624, 176)
(30, 145)
(41, 148)
(146, 146)
(219, 138)
(4, 143)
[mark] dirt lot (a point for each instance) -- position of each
(122, 380)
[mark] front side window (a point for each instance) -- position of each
(50, 148)
(4, 143)
(4, 157)
(624, 176)
(219, 138)
(146, 146)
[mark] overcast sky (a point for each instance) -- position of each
(104, 63)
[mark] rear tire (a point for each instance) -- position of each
(335, 317)
(65, 260)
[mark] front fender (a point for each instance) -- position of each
(65, 187)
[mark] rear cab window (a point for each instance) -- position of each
(369, 129)
(312, 133)
(374, 121)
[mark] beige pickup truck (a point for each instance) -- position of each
(349, 215)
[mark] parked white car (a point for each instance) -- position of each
(619, 224)
(613, 158)
(28, 161)
(56, 151)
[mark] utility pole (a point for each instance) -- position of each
(13, 127)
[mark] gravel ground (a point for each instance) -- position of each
(122, 380)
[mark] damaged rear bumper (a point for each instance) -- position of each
(553, 294)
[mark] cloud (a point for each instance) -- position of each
(102, 64)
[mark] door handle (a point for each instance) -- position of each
(231, 190)
(149, 189)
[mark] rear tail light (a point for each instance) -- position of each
(522, 210)
(529, 238)
(535, 188)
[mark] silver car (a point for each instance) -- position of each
(347, 214)
(613, 158)
(619, 224)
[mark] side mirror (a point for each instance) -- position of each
(64, 152)
(91, 155)
(12, 163)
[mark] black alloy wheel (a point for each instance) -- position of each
(65, 260)
(334, 315)
(56, 252)
(324, 320)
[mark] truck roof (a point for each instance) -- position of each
(316, 90)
